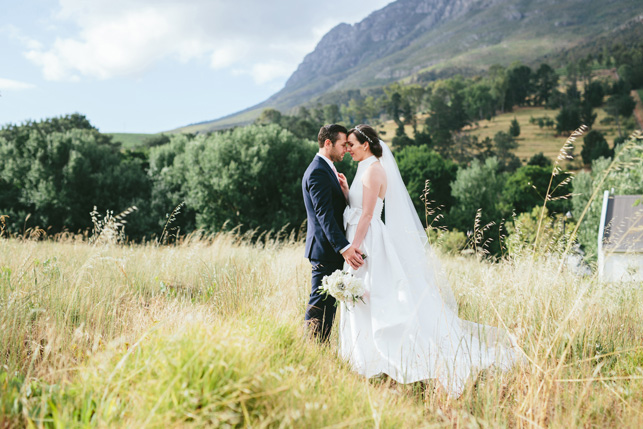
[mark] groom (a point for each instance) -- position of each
(326, 244)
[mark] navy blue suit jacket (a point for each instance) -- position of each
(325, 204)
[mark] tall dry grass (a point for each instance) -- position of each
(209, 333)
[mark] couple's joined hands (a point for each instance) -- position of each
(353, 257)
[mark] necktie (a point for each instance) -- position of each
(335, 170)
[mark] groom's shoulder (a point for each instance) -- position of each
(314, 165)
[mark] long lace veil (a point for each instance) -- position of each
(408, 235)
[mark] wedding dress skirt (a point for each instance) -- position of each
(403, 328)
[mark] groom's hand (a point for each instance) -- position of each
(343, 183)
(353, 257)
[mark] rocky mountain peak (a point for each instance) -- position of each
(382, 32)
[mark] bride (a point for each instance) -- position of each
(407, 327)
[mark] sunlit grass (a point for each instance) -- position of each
(209, 332)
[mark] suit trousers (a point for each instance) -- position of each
(320, 312)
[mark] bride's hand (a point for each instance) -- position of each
(343, 183)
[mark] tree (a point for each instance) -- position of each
(594, 94)
(247, 190)
(394, 105)
(156, 140)
(371, 109)
(408, 114)
(418, 164)
(478, 187)
(423, 138)
(331, 114)
(402, 140)
(620, 105)
(447, 113)
(514, 128)
(414, 97)
(168, 172)
(478, 101)
(519, 86)
(499, 85)
(504, 144)
(269, 116)
(626, 73)
(546, 82)
(594, 147)
(585, 70)
(539, 160)
(568, 119)
(587, 116)
(572, 79)
(526, 188)
(317, 113)
(466, 147)
(58, 169)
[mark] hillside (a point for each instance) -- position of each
(408, 37)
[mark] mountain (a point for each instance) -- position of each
(408, 37)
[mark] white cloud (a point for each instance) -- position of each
(268, 71)
(127, 37)
(15, 34)
(14, 85)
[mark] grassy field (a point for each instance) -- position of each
(208, 332)
(232, 121)
(130, 140)
(532, 139)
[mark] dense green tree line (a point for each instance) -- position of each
(55, 171)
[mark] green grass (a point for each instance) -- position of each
(229, 122)
(532, 138)
(131, 140)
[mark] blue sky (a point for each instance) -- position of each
(154, 65)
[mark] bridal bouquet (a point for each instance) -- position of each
(343, 286)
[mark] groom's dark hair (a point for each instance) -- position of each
(330, 132)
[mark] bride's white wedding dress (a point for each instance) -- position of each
(408, 326)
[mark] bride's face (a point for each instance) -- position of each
(356, 149)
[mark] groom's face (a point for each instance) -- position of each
(338, 150)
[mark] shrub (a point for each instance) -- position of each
(526, 188)
(594, 147)
(523, 231)
(514, 128)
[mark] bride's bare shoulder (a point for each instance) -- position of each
(375, 171)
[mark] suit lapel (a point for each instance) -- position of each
(334, 178)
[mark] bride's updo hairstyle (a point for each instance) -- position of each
(366, 133)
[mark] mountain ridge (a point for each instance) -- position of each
(407, 37)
